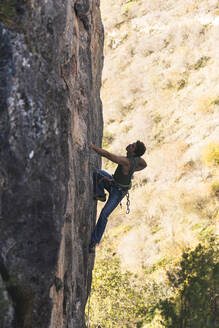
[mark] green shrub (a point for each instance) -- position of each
(202, 62)
(127, 6)
(215, 188)
(107, 139)
(211, 154)
(157, 119)
(116, 301)
(195, 287)
(216, 101)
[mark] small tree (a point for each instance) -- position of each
(195, 285)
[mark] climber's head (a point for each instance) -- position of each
(136, 149)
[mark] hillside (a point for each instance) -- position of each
(161, 85)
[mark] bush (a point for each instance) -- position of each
(127, 6)
(195, 287)
(215, 188)
(202, 62)
(211, 154)
(116, 301)
(107, 139)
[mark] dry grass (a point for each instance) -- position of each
(157, 90)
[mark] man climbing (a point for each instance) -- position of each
(116, 185)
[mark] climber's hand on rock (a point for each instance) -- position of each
(92, 146)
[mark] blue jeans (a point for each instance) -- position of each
(103, 180)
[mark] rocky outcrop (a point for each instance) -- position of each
(50, 66)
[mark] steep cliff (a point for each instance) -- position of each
(50, 109)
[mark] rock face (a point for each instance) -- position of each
(50, 109)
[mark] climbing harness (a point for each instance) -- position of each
(124, 189)
(120, 187)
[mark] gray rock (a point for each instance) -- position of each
(51, 57)
(7, 312)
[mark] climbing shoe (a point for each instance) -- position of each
(92, 247)
(101, 198)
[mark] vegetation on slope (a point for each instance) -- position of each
(188, 298)
(160, 85)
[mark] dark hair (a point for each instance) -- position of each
(140, 148)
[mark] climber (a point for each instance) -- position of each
(116, 185)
